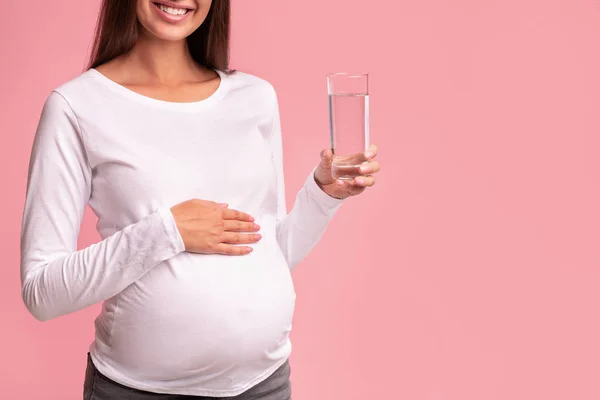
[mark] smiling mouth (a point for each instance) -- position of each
(174, 11)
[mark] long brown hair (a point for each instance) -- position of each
(117, 32)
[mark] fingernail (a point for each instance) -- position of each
(364, 168)
(225, 205)
(251, 219)
(340, 182)
(360, 181)
(256, 226)
(258, 237)
(249, 249)
(368, 154)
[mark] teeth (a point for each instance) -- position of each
(171, 10)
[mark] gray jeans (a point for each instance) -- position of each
(98, 387)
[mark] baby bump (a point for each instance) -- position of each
(202, 313)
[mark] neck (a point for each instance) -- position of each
(163, 61)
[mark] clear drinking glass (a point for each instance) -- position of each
(348, 122)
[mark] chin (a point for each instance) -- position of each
(172, 20)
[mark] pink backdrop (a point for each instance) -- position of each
(470, 273)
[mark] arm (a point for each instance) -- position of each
(56, 279)
(300, 230)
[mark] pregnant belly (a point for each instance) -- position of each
(203, 314)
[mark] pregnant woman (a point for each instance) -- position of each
(181, 160)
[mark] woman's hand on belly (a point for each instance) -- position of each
(207, 227)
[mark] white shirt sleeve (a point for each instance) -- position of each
(299, 230)
(56, 278)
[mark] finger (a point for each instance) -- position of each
(371, 152)
(327, 156)
(364, 181)
(240, 238)
(237, 215)
(240, 226)
(370, 167)
(231, 250)
(326, 160)
(349, 188)
(344, 185)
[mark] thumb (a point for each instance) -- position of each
(326, 159)
(323, 173)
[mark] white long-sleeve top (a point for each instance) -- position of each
(171, 321)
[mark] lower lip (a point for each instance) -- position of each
(170, 17)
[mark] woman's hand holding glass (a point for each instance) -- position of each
(343, 188)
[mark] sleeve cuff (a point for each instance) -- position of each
(317, 194)
(171, 229)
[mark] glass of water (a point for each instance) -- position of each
(348, 122)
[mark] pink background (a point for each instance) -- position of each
(471, 272)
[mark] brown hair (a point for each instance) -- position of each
(117, 32)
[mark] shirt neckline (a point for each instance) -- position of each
(177, 106)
